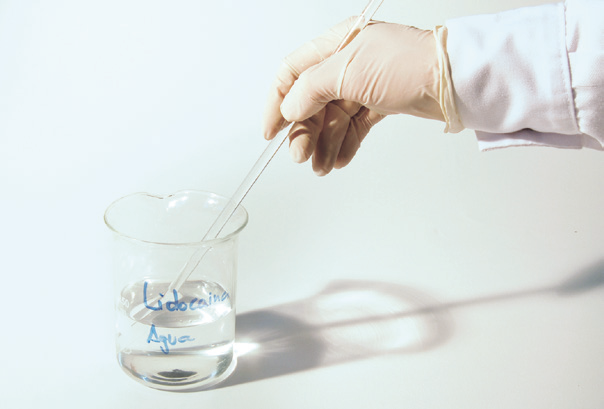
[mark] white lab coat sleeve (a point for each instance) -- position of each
(533, 76)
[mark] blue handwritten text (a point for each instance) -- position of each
(177, 305)
(166, 341)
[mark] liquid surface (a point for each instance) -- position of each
(185, 341)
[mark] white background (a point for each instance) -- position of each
(99, 99)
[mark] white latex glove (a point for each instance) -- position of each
(336, 99)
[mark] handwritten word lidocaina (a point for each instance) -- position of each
(176, 305)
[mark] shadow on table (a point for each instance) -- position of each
(352, 320)
(347, 321)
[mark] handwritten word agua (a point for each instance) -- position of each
(176, 305)
(166, 340)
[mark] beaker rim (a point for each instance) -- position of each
(209, 242)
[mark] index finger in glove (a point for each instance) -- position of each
(310, 54)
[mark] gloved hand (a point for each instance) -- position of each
(336, 99)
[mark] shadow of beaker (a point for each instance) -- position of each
(347, 321)
(352, 320)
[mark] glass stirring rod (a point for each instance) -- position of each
(253, 175)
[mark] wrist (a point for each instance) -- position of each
(446, 95)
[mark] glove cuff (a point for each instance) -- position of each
(446, 97)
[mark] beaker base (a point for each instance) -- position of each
(196, 376)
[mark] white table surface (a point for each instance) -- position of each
(424, 275)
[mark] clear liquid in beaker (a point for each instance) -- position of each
(185, 341)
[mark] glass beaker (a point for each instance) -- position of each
(174, 339)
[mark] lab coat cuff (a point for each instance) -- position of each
(511, 72)
(527, 137)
